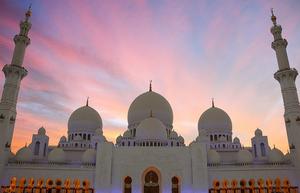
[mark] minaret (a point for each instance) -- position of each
(286, 77)
(14, 73)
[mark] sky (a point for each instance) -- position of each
(108, 51)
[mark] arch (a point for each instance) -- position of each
(255, 150)
(37, 148)
(127, 184)
(175, 185)
(263, 149)
(151, 180)
(45, 148)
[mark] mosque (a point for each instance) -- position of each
(150, 156)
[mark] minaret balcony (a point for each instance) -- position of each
(22, 39)
(279, 43)
(14, 70)
(281, 75)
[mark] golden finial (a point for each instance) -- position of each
(212, 102)
(28, 12)
(150, 86)
(273, 18)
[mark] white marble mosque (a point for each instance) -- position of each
(150, 156)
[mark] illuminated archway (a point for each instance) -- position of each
(127, 185)
(151, 181)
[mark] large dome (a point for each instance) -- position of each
(141, 107)
(151, 129)
(215, 119)
(84, 119)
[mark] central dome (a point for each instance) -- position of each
(151, 129)
(141, 107)
(84, 119)
(215, 119)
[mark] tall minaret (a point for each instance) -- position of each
(14, 73)
(286, 77)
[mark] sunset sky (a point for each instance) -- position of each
(109, 50)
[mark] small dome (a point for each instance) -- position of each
(57, 155)
(62, 139)
(24, 154)
(236, 140)
(150, 101)
(173, 135)
(258, 133)
(213, 157)
(42, 131)
(151, 128)
(244, 157)
(275, 156)
(127, 134)
(89, 156)
(84, 119)
(215, 119)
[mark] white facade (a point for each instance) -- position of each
(150, 153)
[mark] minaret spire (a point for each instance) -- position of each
(286, 77)
(14, 73)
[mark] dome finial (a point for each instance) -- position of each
(212, 102)
(273, 17)
(28, 13)
(150, 86)
(87, 101)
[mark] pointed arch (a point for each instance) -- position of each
(175, 184)
(151, 180)
(37, 148)
(127, 185)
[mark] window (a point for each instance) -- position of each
(89, 136)
(263, 149)
(215, 137)
(175, 185)
(127, 184)
(45, 147)
(84, 136)
(211, 137)
(255, 151)
(37, 148)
